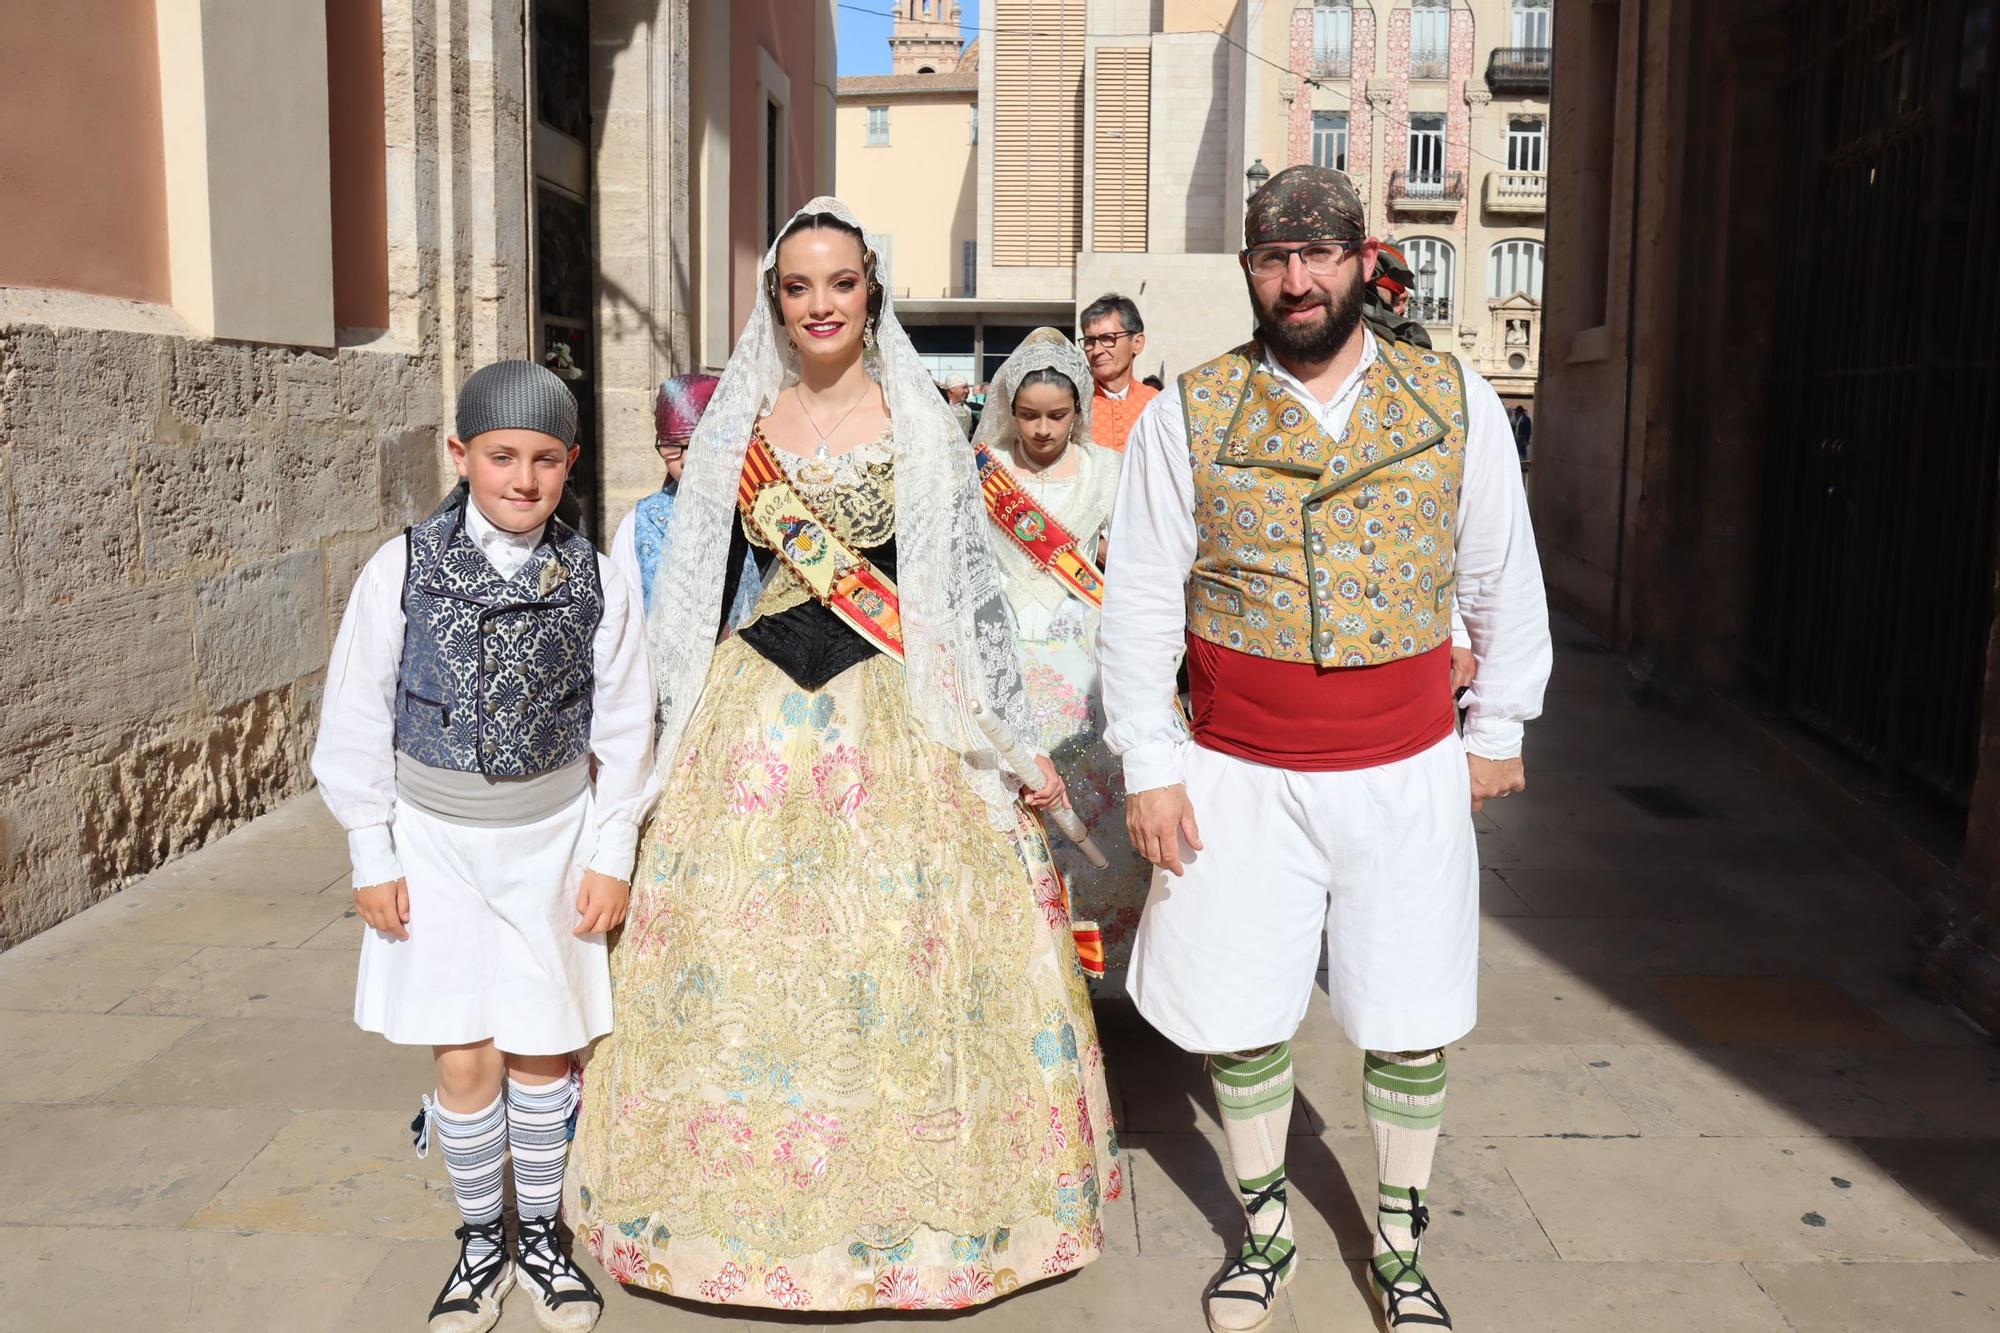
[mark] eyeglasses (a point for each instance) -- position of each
(1319, 257)
(1089, 341)
(661, 444)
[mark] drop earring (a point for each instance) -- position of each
(868, 333)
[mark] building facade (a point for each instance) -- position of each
(1119, 139)
(905, 160)
(252, 250)
(1766, 455)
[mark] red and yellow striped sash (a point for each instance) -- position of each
(1035, 530)
(839, 577)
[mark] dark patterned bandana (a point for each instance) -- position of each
(1304, 203)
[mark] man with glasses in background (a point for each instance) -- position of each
(1297, 517)
(1113, 337)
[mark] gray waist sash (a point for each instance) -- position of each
(474, 798)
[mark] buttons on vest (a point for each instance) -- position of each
(1368, 546)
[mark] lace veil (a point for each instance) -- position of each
(1086, 509)
(959, 641)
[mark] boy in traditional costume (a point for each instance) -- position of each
(1297, 516)
(487, 656)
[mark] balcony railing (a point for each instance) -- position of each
(1525, 192)
(1332, 64)
(1519, 69)
(1426, 192)
(1430, 64)
(1429, 309)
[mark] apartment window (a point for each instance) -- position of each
(1531, 23)
(1431, 262)
(1514, 266)
(969, 268)
(1526, 140)
(1333, 38)
(1427, 149)
(878, 125)
(1330, 139)
(1430, 39)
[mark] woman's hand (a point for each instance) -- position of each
(385, 907)
(601, 903)
(1053, 792)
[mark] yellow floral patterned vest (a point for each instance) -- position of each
(1338, 552)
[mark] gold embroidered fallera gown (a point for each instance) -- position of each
(853, 1063)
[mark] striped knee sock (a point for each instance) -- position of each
(538, 1135)
(1254, 1094)
(474, 1144)
(1404, 1096)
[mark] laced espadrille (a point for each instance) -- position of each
(1242, 1299)
(565, 1299)
(470, 1300)
(1408, 1299)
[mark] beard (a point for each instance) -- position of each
(1315, 342)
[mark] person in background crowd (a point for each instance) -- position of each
(1113, 337)
(1524, 430)
(1386, 305)
(1049, 489)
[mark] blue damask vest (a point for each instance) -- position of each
(497, 673)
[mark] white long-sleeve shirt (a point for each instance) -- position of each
(354, 757)
(1153, 540)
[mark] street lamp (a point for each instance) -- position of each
(1257, 175)
(1428, 274)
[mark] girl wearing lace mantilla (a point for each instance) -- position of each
(1049, 486)
(854, 1065)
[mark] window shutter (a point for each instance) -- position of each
(1037, 132)
(1122, 136)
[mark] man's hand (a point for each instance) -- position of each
(385, 907)
(1464, 667)
(1053, 792)
(1494, 778)
(1157, 820)
(600, 903)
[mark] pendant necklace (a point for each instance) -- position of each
(822, 453)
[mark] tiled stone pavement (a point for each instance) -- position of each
(1701, 1097)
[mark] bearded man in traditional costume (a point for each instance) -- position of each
(1297, 514)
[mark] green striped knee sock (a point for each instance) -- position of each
(1254, 1093)
(1404, 1096)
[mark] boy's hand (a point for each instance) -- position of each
(1159, 819)
(601, 903)
(1464, 668)
(385, 907)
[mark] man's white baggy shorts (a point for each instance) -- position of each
(1380, 860)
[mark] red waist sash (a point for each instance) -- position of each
(1318, 719)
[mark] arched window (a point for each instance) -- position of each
(1514, 266)
(1333, 38)
(1531, 24)
(1432, 262)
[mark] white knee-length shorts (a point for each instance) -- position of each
(1381, 861)
(490, 954)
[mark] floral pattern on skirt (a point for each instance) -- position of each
(854, 1064)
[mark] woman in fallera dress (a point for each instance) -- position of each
(1035, 436)
(853, 1064)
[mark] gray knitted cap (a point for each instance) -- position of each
(516, 395)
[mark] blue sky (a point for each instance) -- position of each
(864, 37)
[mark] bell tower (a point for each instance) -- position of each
(924, 39)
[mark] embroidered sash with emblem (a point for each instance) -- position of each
(1032, 528)
(839, 578)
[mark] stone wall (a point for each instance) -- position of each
(180, 523)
